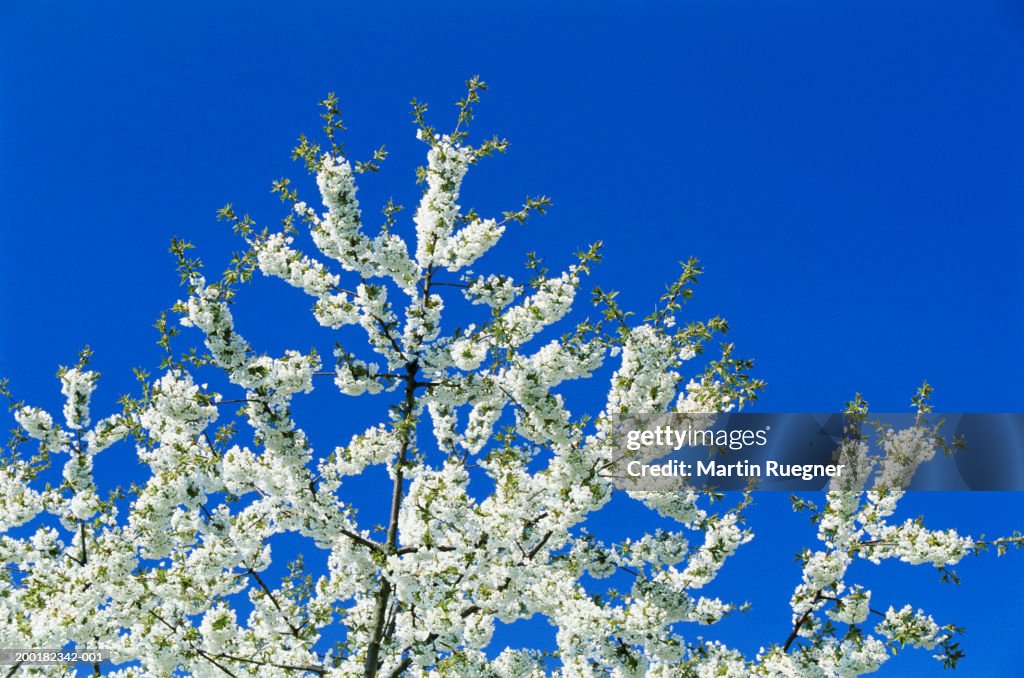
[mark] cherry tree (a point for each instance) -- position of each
(492, 478)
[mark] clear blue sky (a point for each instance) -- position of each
(851, 174)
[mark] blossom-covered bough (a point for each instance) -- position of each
(492, 478)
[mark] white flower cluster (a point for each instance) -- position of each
(206, 311)
(19, 503)
(376, 446)
(908, 627)
(276, 258)
(39, 424)
(77, 386)
(549, 304)
(905, 450)
(338, 234)
(856, 524)
(436, 216)
(646, 381)
(176, 416)
(355, 377)
(496, 291)
(483, 522)
(852, 608)
(471, 242)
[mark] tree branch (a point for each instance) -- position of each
(379, 621)
(800, 622)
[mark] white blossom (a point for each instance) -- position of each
(481, 469)
(77, 386)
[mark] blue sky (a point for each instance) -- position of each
(851, 175)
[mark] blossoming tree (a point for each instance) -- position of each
(492, 478)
